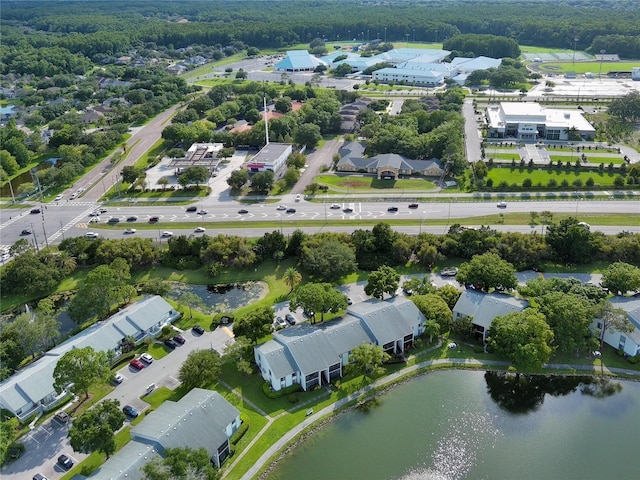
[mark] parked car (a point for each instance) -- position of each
(413, 205)
(392, 209)
(349, 301)
(291, 210)
(179, 339)
(117, 378)
(200, 229)
(146, 357)
(130, 231)
(132, 218)
(279, 323)
(171, 343)
(243, 211)
(154, 219)
(61, 417)
(136, 364)
(167, 234)
(449, 272)
(91, 235)
(197, 329)
(130, 411)
(291, 320)
(502, 205)
(335, 206)
(192, 209)
(65, 462)
(39, 476)
(35, 210)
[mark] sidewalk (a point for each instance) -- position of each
(293, 433)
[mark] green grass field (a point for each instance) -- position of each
(362, 183)
(584, 67)
(517, 175)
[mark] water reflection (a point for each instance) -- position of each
(522, 393)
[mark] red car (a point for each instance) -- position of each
(137, 364)
(154, 219)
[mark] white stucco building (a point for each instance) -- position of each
(629, 342)
(273, 156)
(531, 122)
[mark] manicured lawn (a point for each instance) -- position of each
(542, 176)
(584, 67)
(345, 183)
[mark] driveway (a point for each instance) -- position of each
(315, 160)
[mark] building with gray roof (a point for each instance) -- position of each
(202, 418)
(484, 307)
(384, 165)
(312, 355)
(273, 157)
(628, 342)
(31, 389)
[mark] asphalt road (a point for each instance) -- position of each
(71, 219)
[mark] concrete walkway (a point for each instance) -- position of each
(390, 379)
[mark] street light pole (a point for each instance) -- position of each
(385, 34)
(575, 44)
(602, 52)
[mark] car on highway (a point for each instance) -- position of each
(197, 329)
(129, 231)
(91, 235)
(65, 462)
(192, 209)
(146, 357)
(449, 272)
(102, 210)
(94, 220)
(392, 209)
(130, 411)
(335, 206)
(153, 219)
(179, 339)
(25, 231)
(136, 364)
(94, 214)
(203, 212)
(167, 234)
(291, 320)
(58, 197)
(243, 211)
(281, 207)
(502, 205)
(291, 210)
(413, 205)
(113, 220)
(347, 210)
(73, 195)
(132, 218)
(200, 229)
(298, 197)
(35, 210)
(171, 343)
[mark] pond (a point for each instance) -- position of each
(455, 425)
(222, 298)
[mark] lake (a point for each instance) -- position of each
(454, 425)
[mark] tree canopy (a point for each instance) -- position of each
(488, 271)
(319, 298)
(81, 368)
(200, 369)
(182, 462)
(94, 430)
(384, 280)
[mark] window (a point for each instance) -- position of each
(599, 325)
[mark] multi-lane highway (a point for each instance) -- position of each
(72, 218)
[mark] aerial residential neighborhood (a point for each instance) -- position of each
(405, 235)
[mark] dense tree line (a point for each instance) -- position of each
(475, 45)
(121, 26)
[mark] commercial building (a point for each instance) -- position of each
(311, 355)
(298, 61)
(531, 121)
(31, 390)
(273, 156)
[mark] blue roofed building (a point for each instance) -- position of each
(30, 390)
(311, 355)
(298, 61)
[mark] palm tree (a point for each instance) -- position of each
(433, 328)
(292, 277)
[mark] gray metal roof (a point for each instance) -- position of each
(199, 419)
(310, 349)
(484, 307)
(388, 320)
(127, 463)
(631, 305)
(270, 152)
(279, 359)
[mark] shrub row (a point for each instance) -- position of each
(266, 388)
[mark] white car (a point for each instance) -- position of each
(130, 230)
(502, 205)
(298, 197)
(73, 195)
(336, 206)
(94, 220)
(167, 234)
(146, 357)
(117, 378)
(200, 229)
(282, 207)
(91, 235)
(59, 197)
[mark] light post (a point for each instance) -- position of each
(385, 34)
(602, 52)
(414, 35)
(575, 44)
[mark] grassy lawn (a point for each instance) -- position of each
(155, 150)
(517, 175)
(584, 67)
(504, 156)
(353, 182)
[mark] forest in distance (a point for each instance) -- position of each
(115, 27)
